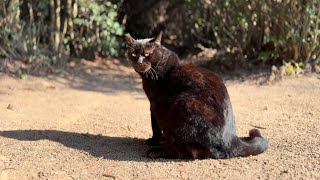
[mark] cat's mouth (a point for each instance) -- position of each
(142, 68)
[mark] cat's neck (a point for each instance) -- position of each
(169, 64)
(169, 61)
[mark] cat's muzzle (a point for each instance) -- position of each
(141, 66)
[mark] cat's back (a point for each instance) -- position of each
(198, 92)
(197, 78)
(199, 87)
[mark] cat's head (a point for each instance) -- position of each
(143, 54)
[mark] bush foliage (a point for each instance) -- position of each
(270, 31)
(55, 28)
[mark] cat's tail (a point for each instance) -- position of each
(253, 145)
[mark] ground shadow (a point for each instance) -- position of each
(112, 75)
(106, 76)
(114, 148)
(254, 76)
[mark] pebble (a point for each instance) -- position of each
(10, 107)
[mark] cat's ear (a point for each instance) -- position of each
(128, 38)
(158, 39)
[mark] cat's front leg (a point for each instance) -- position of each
(157, 133)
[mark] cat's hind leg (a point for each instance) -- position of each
(179, 151)
(170, 150)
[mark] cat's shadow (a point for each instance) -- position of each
(114, 148)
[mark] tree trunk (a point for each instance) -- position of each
(32, 29)
(52, 23)
(58, 26)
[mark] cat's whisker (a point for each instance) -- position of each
(155, 73)
(158, 73)
(146, 73)
(153, 77)
(151, 72)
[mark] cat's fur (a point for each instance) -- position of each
(191, 112)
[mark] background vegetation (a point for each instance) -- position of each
(248, 32)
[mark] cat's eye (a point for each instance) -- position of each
(146, 54)
(134, 55)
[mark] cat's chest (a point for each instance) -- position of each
(159, 95)
(156, 93)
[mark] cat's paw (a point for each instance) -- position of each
(153, 142)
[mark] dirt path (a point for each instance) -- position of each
(92, 125)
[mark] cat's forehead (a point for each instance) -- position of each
(139, 44)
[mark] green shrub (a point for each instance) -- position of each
(271, 31)
(52, 30)
(99, 28)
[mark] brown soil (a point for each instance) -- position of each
(91, 123)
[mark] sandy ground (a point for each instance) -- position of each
(91, 123)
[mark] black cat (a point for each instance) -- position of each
(191, 112)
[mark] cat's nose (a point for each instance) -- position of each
(140, 60)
